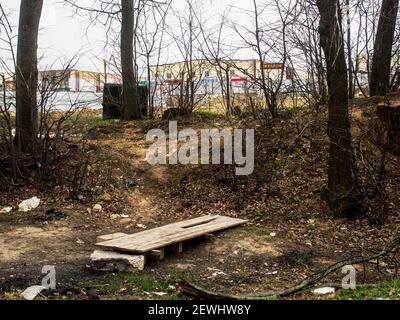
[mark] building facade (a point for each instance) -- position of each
(7, 82)
(210, 78)
(205, 69)
(70, 80)
(74, 80)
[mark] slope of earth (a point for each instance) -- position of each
(290, 235)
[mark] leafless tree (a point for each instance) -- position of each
(342, 181)
(185, 36)
(7, 105)
(151, 43)
(268, 40)
(217, 55)
(27, 74)
(395, 72)
(130, 93)
(307, 58)
(380, 75)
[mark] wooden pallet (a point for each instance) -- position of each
(153, 242)
(158, 254)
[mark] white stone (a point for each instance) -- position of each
(218, 273)
(325, 290)
(112, 261)
(97, 207)
(272, 273)
(160, 294)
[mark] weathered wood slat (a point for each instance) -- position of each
(113, 236)
(157, 254)
(148, 240)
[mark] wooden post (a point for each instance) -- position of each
(157, 254)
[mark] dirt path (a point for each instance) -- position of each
(26, 245)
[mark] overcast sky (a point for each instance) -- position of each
(62, 35)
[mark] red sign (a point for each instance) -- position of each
(238, 79)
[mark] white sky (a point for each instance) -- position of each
(63, 35)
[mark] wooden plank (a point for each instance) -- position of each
(157, 254)
(113, 236)
(174, 233)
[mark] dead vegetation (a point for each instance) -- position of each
(290, 235)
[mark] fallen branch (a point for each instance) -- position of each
(196, 292)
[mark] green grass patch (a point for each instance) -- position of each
(91, 122)
(129, 286)
(376, 99)
(258, 230)
(12, 296)
(301, 155)
(209, 112)
(388, 290)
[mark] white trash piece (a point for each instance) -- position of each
(97, 207)
(325, 290)
(6, 210)
(32, 292)
(28, 205)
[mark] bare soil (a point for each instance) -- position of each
(290, 234)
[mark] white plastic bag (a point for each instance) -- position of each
(28, 205)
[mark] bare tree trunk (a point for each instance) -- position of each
(150, 99)
(228, 92)
(349, 51)
(342, 180)
(191, 90)
(27, 74)
(380, 74)
(269, 99)
(130, 97)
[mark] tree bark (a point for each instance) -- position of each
(390, 119)
(27, 74)
(342, 181)
(228, 91)
(349, 51)
(380, 73)
(130, 97)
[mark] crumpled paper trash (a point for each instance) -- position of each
(32, 292)
(29, 204)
